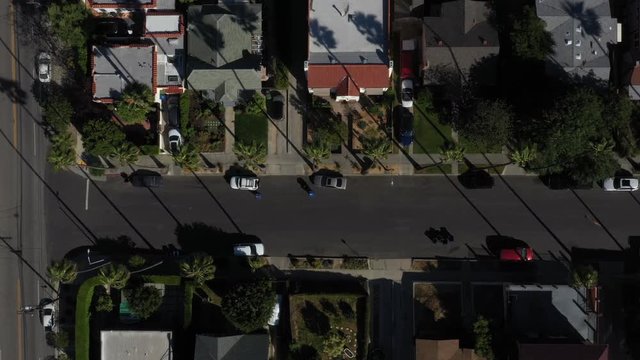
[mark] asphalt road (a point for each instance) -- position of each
(22, 250)
(371, 218)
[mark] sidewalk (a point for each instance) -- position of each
(391, 269)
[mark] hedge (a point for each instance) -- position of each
(189, 288)
(83, 316)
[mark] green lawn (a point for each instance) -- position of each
(430, 134)
(470, 148)
(251, 128)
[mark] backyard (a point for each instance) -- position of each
(315, 317)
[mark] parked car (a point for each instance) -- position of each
(250, 183)
(145, 178)
(172, 111)
(336, 182)
(44, 67)
(47, 315)
(175, 141)
(406, 93)
(407, 59)
(405, 130)
(248, 249)
(620, 184)
(275, 105)
(517, 254)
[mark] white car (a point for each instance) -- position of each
(336, 182)
(44, 67)
(248, 249)
(47, 316)
(250, 183)
(406, 93)
(620, 184)
(175, 141)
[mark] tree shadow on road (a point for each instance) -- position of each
(200, 237)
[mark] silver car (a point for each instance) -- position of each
(620, 184)
(44, 67)
(250, 183)
(248, 250)
(336, 182)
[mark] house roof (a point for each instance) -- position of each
(634, 83)
(443, 350)
(136, 345)
(581, 30)
(459, 61)
(117, 66)
(162, 23)
(226, 84)
(224, 35)
(239, 347)
(348, 31)
(563, 352)
(364, 76)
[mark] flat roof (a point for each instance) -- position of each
(162, 23)
(349, 31)
(129, 64)
(136, 345)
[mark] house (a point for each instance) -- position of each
(632, 58)
(563, 352)
(155, 60)
(120, 6)
(348, 48)
(456, 37)
(583, 32)
(238, 347)
(224, 52)
(443, 350)
(136, 345)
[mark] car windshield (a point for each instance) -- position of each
(48, 311)
(338, 182)
(523, 253)
(626, 182)
(174, 138)
(407, 94)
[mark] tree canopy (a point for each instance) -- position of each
(488, 125)
(248, 306)
(101, 137)
(68, 23)
(137, 101)
(529, 38)
(144, 301)
(58, 112)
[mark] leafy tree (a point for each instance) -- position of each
(617, 116)
(253, 154)
(452, 152)
(137, 261)
(256, 105)
(317, 151)
(144, 300)
(126, 153)
(529, 37)
(201, 268)
(58, 112)
(64, 271)
(62, 153)
(334, 344)
(68, 23)
(104, 303)
(188, 158)
(523, 157)
(489, 124)
(248, 306)
(483, 338)
(102, 137)
(114, 276)
(59, 340)
(584, 276)
(330, 132)
(136, 103)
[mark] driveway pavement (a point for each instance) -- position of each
(372, 218)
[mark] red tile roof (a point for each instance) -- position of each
(347, 87)
(635, 75)
(363, 75)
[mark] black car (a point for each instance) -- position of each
(275, 105)
(145, 178)
(405, 126)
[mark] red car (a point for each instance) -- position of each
(517, 254)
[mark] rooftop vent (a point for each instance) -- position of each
(568, 42)
(579, 56)
(578, 42)
(595, 52)
(579, 28)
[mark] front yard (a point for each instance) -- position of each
(250, 128)
(315, 317)
(430, 134)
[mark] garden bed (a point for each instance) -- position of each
(200, 122)
(310, 262)
(437, 310)
(314, 317)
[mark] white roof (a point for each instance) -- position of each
(136, 345)
(162, 23)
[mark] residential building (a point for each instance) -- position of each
(583, 32)
(443, 350)
(136, 345)
(348, 48)
(456, 37)
(238, 347)
(121, 6)
(632, 57)
(225, 50)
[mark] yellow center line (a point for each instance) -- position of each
(19, 320)
(14, 107)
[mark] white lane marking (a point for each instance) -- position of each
(34, 139)
(86, 197)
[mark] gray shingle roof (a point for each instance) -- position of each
(239, 347)
(581, 30)
(225, 83)
(116, 67)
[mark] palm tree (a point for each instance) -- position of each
(126, 153)
(62, 153)
(114, 276)
(523, 157)
(317, 151)
(187, 158)
(376, 148)
(64, 271)
(137, 95)
(252, 154)
(201, 268)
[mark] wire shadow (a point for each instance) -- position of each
(595, 217)
(226, 213)
(18, 253)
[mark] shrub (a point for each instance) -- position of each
(101, 137)
(59, 340)
(136, 261)
(483, 339)
(354, 263)
(144, 300)
(62, 153)
(256, 105)
(282, 79)
(256, 262)
(58, 112)
(334, 344)
(248, 306)
(104, 303)
(584, 276)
